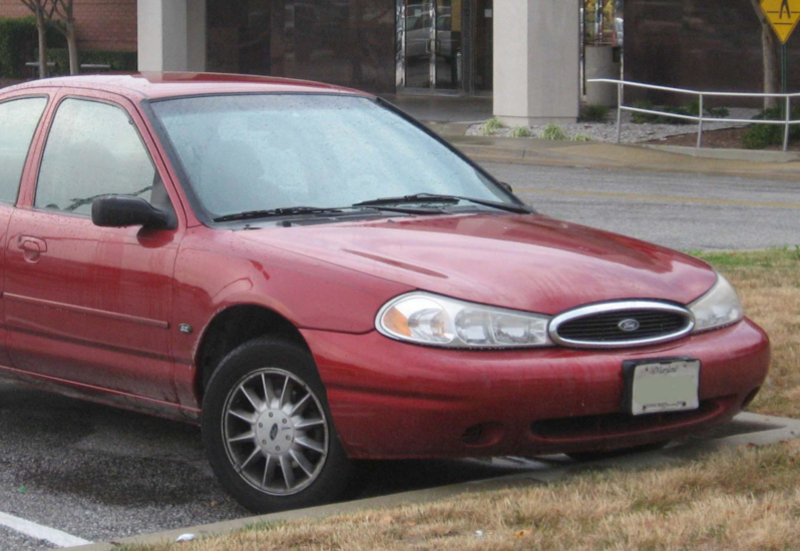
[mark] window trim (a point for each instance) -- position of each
(93, 99)
(37, 128)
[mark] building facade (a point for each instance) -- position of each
(525, 53)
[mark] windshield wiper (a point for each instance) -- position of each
(270, 213)
(451, 199)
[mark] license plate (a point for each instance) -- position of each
(660, 385)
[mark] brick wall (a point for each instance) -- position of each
(100, 24)
(698, 44)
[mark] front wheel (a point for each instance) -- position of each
(268, 431)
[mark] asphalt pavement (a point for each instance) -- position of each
(685, 211)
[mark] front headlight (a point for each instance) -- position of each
(718, 307)
(424, 318)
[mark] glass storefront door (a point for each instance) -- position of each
(444, 45)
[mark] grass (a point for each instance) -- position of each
(736, 499)
(769, 285)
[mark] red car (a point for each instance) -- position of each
(316, 279)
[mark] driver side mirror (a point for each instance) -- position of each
(117, 211)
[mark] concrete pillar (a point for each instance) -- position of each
(172, 35)
(536, 61)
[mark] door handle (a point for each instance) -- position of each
(32, 244)
(32, 247)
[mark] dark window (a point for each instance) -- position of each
(93, 150)
(18, 121)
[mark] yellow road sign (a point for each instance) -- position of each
(783, 15)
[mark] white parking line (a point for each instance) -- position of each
(39, 532)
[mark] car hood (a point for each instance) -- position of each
(525, 262)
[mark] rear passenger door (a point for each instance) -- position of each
(86, 304)
(19, 119)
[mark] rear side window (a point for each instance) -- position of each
(18, 121)
(93, 150)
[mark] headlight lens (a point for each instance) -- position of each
(718, 307)
(429, 319)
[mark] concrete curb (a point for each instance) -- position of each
(753, 156)
(773, 430)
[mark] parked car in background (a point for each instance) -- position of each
(316, 279)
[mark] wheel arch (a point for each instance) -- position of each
(232, 327)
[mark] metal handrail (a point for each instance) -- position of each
(700, 119)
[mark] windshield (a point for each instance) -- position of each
(277, 151)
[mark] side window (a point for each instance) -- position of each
(18, 121)
(93, 150)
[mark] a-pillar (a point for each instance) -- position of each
(536, 61)
(172, 35)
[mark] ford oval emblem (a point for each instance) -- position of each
(628, 325)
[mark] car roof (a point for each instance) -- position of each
(173, 84)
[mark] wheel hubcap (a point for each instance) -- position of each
(275, 430)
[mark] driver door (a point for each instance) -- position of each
(88, 305)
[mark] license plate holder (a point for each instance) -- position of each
(659, 385)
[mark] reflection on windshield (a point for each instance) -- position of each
(258, 152)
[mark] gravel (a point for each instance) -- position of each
(631, 132)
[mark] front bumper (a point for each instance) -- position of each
(395, 400)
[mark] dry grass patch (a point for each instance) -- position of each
(741, 499)
(769, 285)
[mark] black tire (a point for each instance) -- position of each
(279, 452)
(598, 455)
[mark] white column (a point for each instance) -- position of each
(536, 61)
(171, 35)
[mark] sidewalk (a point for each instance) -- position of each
(450, 117)
(730, 162)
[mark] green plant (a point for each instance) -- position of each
(18, 45)
(760, 136)
(719, 112)
(580, 138)
(554, 132)
(490, 127)
(644, 118)
(521, 132)
(593, 113)
(124, 62)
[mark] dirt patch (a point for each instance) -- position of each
(728, 138)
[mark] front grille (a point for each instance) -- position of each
(620, 324)
(605, 327)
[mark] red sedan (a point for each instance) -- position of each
(315, 278)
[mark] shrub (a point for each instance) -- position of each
(593, 113)
(580, 138)
(644, 118)
(125, 62)
(19, 44)
(719, 112)
(491, 126)
(554, 132)
(521, 132)
(760, 136)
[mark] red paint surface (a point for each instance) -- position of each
(96, 314)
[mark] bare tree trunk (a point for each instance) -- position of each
(72, 46)
(769, 47)
(772, 74)
(42, 29)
